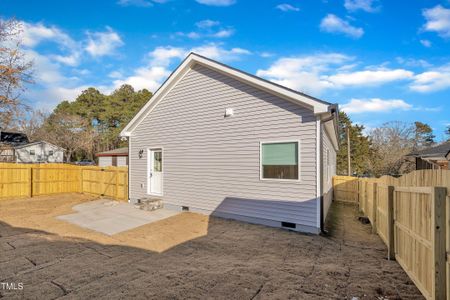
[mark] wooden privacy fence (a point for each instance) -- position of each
(411, 214)
(28, 180)
(345, 188)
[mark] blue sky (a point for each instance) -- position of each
(380, 60)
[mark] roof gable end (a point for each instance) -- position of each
(316, 105)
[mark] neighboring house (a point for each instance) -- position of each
(219, 141)
(39, 152)
(9, 140)
(436, 157)
(117, 158)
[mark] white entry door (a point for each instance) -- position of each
(155, 172)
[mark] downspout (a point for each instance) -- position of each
(322, 212)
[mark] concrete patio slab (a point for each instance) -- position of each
(112, 217)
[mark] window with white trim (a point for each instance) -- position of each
(279, 160)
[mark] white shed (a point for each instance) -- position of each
(116, 158)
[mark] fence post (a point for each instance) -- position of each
(391, 223)
(438, 237)
(374, 207)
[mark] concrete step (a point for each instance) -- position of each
(150, 204)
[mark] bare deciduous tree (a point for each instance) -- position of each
(15, 71)
(70, 132)
(32, 125)
(391, 142)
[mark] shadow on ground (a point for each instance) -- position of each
(233, 260)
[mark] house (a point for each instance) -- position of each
(15, 147)
(219, 141)
(436, 157)
(39, 152)
(9, 140)
(117, 158)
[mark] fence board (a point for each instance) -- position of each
(413, 234)
(27, 180)
(383, 213)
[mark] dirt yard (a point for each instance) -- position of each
(191, 256)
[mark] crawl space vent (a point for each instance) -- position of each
(288, 225)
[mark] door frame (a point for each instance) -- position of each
(149, 166)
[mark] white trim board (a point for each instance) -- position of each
(317, 106)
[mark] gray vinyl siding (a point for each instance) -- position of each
(211, 163)
(329, 170)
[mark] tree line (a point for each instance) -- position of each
(88, 125)
(382, 150)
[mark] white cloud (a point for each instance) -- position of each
(365, 5)
(207, 23)
(214, 51)
(266, 54)
(209, 29)
(138, 3)
(70, 60)
(433, 80)
(115, 74)
(375, 105)
(103, 43)
(34, 34)
(46, 71)
(438, 20)
(334, 24)
(303, 73)
(217, 2)
(369, 77)
(151, 76)
(224, 33)
(287, 7)
(319, 72)
(162, 56)
(426, 43)
(413, 62)
(144, 78)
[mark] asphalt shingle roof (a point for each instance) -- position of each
(440, 150)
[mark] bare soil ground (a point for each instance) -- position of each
(191, 256)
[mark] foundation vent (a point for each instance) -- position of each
(288, 225)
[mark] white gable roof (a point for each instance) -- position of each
(316, 105)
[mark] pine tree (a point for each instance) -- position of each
(424, 136)
(360, 151)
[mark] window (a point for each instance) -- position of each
(50, 153)
(32, 152)
(279, 160)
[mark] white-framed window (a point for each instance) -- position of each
(279, 160)
(50, 153)
(32, 152)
